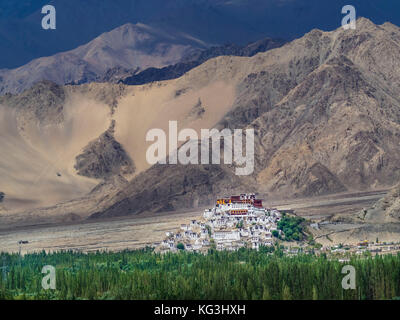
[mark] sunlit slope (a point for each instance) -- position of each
(47, 127)
(325, 109)
(36, 163)
(154, 107)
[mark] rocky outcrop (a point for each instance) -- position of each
(117, 74)
(385, 210)
(104, 157)
(42, 104)
(198, 57)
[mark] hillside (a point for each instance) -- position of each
(325, 111)
(134, 47)
(386, 210)
(198, 57)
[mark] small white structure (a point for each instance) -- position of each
(244, 233)
(255, 239)
(204, 233)
(194, 236)
(165, 243)
(255, 245)
(185, 227)
(194, 223)
(227, 235)
(208, 214)
(178, 236)
(197, 246)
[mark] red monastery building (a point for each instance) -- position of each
(239, 205)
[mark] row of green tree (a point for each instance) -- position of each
(245, 274)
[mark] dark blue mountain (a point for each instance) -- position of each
(213, 21)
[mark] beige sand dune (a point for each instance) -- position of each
(153, 106)
(36, 166)
(37, 162)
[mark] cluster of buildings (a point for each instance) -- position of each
(234, 222)
(242, 221)
(364, 247)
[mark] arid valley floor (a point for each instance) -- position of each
(144, 230)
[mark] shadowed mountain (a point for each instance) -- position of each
(134, 47)
(197, 58)
(214, 21)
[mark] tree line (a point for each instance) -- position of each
(245, 274)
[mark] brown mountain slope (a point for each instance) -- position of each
(325, 109)
(386, 210)
(333, 120)
(161, 189)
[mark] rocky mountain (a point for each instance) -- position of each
(104, 157)
(198, 57)
(131, 54)
(325, 109)
(117, 74)
(134, 47)
(326, 115)
(192, 186)
(214, 21)
(386, 210)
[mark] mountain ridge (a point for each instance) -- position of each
(196, 58)
(325, 111)
(303, 115)
(129, 46)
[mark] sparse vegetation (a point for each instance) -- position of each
(310, 240)
(239, 225)
(292, 228)
(209, 230)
